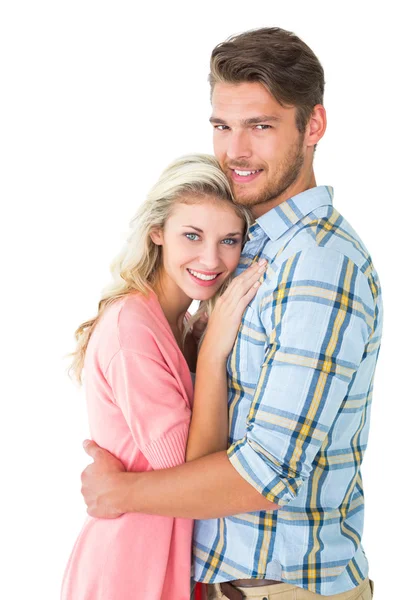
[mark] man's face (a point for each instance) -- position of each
(256, 142)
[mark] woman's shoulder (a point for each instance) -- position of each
(133, 324)
(135, 321)
(137, 317)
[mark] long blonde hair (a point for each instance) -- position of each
(135, 268)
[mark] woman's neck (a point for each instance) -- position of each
(173, 301)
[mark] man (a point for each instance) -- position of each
(282, 511)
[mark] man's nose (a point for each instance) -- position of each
(239, 145)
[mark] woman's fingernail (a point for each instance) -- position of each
(262, 261)
(257, 284)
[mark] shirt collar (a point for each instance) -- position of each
(281, 218)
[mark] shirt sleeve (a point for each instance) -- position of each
(317, 312)
(152, 403)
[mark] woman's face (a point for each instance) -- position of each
(201, 246)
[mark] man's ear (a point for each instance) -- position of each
(316, 125)
(156, 236)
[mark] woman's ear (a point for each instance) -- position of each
(156, 236)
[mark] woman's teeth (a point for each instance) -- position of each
(202, 276)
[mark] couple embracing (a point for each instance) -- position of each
(248, 419)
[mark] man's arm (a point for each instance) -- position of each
(205, 488)
(318, 318)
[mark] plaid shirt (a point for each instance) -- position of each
(300, 387)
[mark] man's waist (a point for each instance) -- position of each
(253, 582)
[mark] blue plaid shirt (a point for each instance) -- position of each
(300, 386)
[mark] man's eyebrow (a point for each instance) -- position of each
(217, 121)
(261, 119)
(251, 121)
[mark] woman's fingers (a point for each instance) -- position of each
(244, 282)
(247, 297)
(225, 319)
(251, 274)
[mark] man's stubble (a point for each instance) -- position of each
(288, 171)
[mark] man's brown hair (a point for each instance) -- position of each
(279, 60)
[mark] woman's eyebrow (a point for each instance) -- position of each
(226, 235)
(193, 227)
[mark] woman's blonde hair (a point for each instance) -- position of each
(187, 179)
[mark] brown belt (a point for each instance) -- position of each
(229, 589)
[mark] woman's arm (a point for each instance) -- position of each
(209, 424)
(208, 431)
(151, 401)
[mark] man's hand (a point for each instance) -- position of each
(100, 480)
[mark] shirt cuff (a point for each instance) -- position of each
(256, 469)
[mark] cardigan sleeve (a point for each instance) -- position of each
(153, 406)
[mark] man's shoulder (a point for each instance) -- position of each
(323, 252)
(325, 233)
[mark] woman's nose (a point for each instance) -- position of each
(210, 257)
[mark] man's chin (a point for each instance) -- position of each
(244, 198)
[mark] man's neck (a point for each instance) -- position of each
(303, 183)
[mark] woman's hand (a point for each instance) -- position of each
(209, 425)
(226, 317)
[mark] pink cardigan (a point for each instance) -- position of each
(139, 397)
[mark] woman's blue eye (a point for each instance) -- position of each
(194, 237)
(191, 236)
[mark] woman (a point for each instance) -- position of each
(139, 353)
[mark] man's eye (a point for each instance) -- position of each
(221, 127)
(263, 127)
(191, 236)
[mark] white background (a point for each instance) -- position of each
(96, 99)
